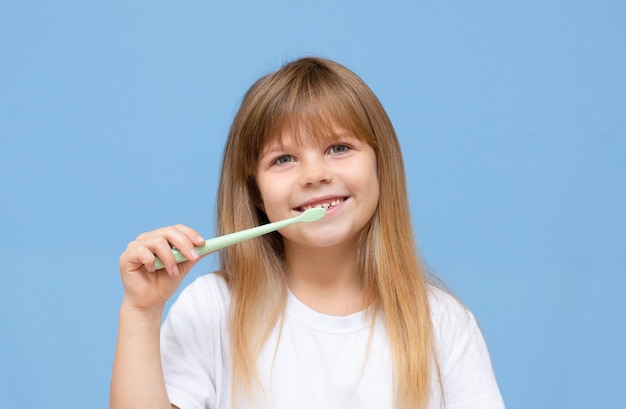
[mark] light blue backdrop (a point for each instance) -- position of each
(512, 117)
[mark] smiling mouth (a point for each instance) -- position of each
(325, 205)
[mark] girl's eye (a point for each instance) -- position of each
(283, 159)
(339, 149)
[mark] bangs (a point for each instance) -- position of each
(317, 120)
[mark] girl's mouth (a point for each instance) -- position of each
(328, 204)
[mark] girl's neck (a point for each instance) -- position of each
(327, 280)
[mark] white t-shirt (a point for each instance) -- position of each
(320, 361)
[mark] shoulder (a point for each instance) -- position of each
(207, 296)
(458, 339)
(199, 314)
(193, 340)
(466, 374)
(205, 288)
(455, 329)
(447, 309)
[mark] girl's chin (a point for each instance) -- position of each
(327, 239)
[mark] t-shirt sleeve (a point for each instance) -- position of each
(467, 376)
(191, 346)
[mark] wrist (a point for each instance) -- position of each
(135, 312)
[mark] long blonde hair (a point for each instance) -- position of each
(315, 93)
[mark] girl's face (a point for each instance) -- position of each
(339, 175)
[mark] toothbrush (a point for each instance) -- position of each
(216, 243)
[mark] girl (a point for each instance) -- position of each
(337, 313)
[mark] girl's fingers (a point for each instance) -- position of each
(146, 258)
(160, 242)
(162, 249)
(145, 288)
(195, 237)
(187, 245)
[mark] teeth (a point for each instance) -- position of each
(324, 205)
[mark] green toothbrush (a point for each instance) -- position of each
(216, 243)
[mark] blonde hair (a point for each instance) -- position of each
(314, 94)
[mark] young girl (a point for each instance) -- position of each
(337, 313)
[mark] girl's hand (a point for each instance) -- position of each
(145, 288)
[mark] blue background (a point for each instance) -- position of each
(512, 118)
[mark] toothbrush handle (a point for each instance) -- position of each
(226, 240)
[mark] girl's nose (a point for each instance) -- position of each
(315, 172)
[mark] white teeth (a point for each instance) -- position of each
(324, 205)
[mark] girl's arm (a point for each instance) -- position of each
(137, 380)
